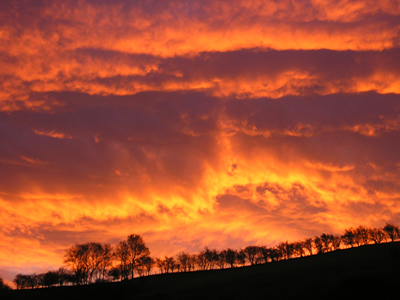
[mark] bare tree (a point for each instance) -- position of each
(250, 253)
(147, 264)
(49, 279)
(211, 256)
(89, 261)
(93, 262)
(392, 231)
(231, 257)
(349, 238)
(265, 253)
(94, 259)
(259, 255)
(106, 260)
(327, 240)
(337, 240)
(166, 265)
(192, 262)
(160, 263)
(137, 250)
(122, 255)
(20, 281)
(308, 244)
(183, 259)
(298, 248)
(76, 257)
(286, 250)
(63, 275)
(169, 264)
(201, 261)
(222, 259)
(319, 245)
(241, 258)
(275, 254)
(362, 235)
(26, 281)
(377, 235)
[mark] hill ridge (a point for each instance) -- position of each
(345, 273)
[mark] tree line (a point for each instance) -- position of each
(93, 262)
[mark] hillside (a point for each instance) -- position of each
(372, 270)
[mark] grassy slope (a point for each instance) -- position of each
(368, 271)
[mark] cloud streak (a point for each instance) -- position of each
(244, 74)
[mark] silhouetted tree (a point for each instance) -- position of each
(106, 260)
(170, 263)
(265, 253)
(259, 255)
(115, 273)
(49, 279)
(349, 238)
(377, 235)
(231, 257)
(165, 265)
(298, 248)
(250, 253)
(211, 256)
(286, 250)
(160, 263)
(19, 281)
(392, 231)
(95, 258)
(33, 280)
(26, 281)
(308, 244)
(241, 258)
(177, 266)
(4, 286)
(137, 250)
(76, 257)
(63, 275)
(274, 254)
(362, 236)
(327, 241)
(183, 259)
(87, 260)
(122, 255)
(222, 259)
(319, 245)
(337, 240)
(201, 261)
(192, 262)
(93, 262)
(146, 264)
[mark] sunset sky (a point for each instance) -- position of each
(194, 123)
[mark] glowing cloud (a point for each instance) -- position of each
(200, 123)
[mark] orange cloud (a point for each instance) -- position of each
(254, 74)
(209, 123)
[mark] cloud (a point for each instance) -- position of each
(182, 158)
(176, 27)
(243, 74)
(194, 124)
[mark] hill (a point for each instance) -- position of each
(367, 271)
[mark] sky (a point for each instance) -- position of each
(194, 123)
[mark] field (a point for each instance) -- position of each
(367, 271)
